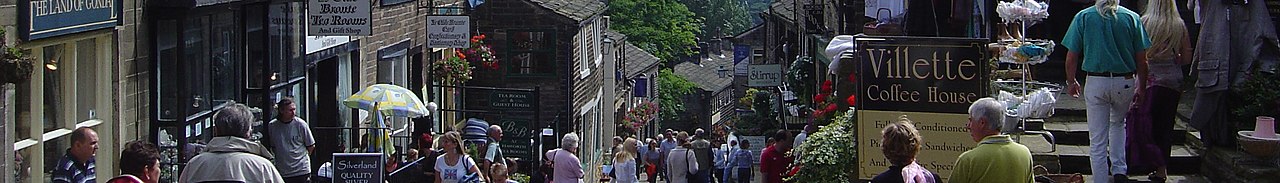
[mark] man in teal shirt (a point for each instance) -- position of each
(996, 158)
(1113, 43)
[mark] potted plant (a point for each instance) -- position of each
(1261, 95)
(15, 67)
(637, 117)
(453, 70)
(829, 152)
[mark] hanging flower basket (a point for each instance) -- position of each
(637, 117)
(14, 66)
(481, 53)
(453, 70)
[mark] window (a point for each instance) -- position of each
(53, 87)
(196, 54)
(86, 79)
(531, 53)
(256, 46)
(226, 62)
(167, 60)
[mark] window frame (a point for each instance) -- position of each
(551, 48)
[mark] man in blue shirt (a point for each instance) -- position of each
(77, 166)
(1113, 44)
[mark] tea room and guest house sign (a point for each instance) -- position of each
(39, 19)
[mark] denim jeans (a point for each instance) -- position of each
(1107, 100)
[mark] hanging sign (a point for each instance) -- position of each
(448, 31)
(358, 167)
(48, 18)
(339, 18)
(932, 81)
(764, 75)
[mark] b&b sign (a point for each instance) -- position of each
(764, 75)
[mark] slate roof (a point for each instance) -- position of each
(638, 60)
(578, 10)
(784, 9)
(707, 75)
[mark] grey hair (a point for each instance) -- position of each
(990, 109)
(233, 120)
(569, 141)
(495, 128)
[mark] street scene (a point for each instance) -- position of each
(631, 91)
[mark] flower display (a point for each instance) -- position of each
(480, 53)
(1028, 12)
(454, 70)
(640, 115)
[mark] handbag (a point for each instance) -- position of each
(691, 177)
(548, 168)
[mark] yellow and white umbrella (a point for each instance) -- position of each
(389, 100)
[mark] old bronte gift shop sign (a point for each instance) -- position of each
(448, 31)
(47, 18)
(339, 18)
(930, 80)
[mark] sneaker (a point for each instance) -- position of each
(1120, 178)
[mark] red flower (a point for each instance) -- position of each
(820, 97)
(830, 108)
(826, 86)
(853, 77)
(853, 100)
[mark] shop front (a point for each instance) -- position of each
(209, 54)
(69, 85)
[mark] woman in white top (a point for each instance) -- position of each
(454, 166)
(680, 161)
(624, 163)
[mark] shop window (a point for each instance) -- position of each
(54, 149)
(226, 59)
(23, 113)
(255, 47)
(86, 79)
(196, 53)
(167, 60)
(531, 53)
(54, 57)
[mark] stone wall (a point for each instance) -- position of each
(391, 24)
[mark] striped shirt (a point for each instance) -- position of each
(68, 171)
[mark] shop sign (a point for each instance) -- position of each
(448, 31)
(358, 167)
(764, 75)
(930, 80)
(339, 18)
(48, 18)
(517, 137)
(511, 100)
(317, 43)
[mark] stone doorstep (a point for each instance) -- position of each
(1077, 132)
(1234, 165)
(1075, 159)
(1171, 178)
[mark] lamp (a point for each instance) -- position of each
(52, 65)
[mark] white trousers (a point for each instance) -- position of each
(1107, 100)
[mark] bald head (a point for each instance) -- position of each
(495, 132)
(84, 144)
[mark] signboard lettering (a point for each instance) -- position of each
(517, 137)
(48, 18)
(764, 75)
(932, 81)
(511, 100)
(358, 167)
(448, 31)
(339, 18)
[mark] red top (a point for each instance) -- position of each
(773, 164)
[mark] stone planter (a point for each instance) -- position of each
(1260, 147)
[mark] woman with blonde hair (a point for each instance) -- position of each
(454, 165)
(1150, 127)
(901, 143)
(624, 163)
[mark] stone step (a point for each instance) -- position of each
(1075, 159)
(1171, 178)
(1077, 132)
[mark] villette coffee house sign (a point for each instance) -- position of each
(48, 18)
(931, 81)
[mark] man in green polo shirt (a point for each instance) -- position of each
(996, 158)
(1113, 43)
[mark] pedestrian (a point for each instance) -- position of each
(140, 163)
(681, 161)
(719, 155)
(564, 160)
(668, 143)
(493, 154)
(292, 143)
(454, 166)
(654, 159)
(900, 144)
(410, 156)
(78, 164)
(426, 146)
(742, 161)
(774, 160)
(624, 163)
(724, 165)
(1149, 139)
(997, 158)
(804, 135)
(498, 173)
(230, 155)
(1112, 44)
(702, 149)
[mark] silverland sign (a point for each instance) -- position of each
(358, 167)
(339, 18)
(932, 81)
(448, 31)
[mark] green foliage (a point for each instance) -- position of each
(830, 152)
(1261, 94)
(746, 100)
(672, 88)
(728, 16)
(755, 7)
(520, 177)
(665, 28)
